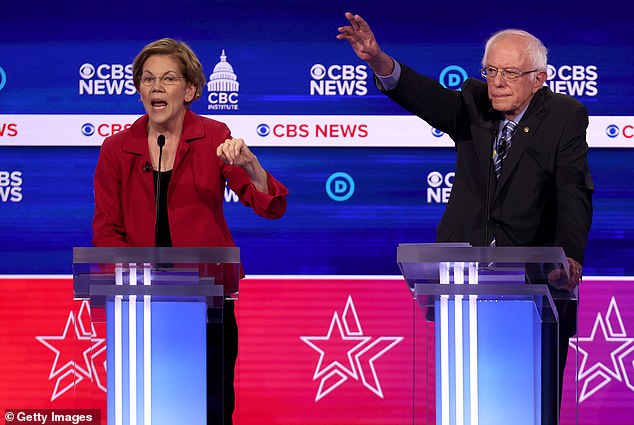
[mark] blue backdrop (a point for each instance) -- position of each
(62, 59)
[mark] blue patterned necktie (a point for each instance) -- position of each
(502, 147)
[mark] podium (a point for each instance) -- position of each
(486, 332)
(156, 303)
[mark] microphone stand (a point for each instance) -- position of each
(489, 176)
(160, 142)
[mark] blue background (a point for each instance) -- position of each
(272, 46)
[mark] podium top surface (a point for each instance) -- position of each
(170, 272)
(425, 265)
(440, 252)
(153, 255)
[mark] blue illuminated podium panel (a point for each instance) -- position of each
(156, 303)
(486, 334)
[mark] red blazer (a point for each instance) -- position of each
(124, 189)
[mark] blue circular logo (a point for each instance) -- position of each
(263, 130)
(87, 129)
(612, 131)
(436, 133)
(340, 186)
(3, 78)
(452, 77)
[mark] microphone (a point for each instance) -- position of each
(160, 141)
(487, 215)
(147, 167)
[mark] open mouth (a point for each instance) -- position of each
(159, 104)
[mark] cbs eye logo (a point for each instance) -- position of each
(263, 130)
(87, 71)
(318, 71)
(88, 129)
(434, 179)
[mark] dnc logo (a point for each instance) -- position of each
(340, 186)
(452, 77)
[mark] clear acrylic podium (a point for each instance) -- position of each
(486, 333)
(156, 303)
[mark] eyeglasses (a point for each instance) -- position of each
(509, 74)
(167, 79)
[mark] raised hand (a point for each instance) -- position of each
(364, 44)
(360, 37)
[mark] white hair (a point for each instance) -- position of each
(535, 48)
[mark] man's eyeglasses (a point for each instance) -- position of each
(167, 79)
(509, 74)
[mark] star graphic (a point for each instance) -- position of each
(348, 353)
(602, 352)
(75, 351)
(338, 348)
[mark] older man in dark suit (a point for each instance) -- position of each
(522, 176)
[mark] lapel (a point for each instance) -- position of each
(192, 130)
(486, 133)
(523, 136)
(137, 146)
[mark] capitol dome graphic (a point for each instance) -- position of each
(223, 79)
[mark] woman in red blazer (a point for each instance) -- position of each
(198, 158)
